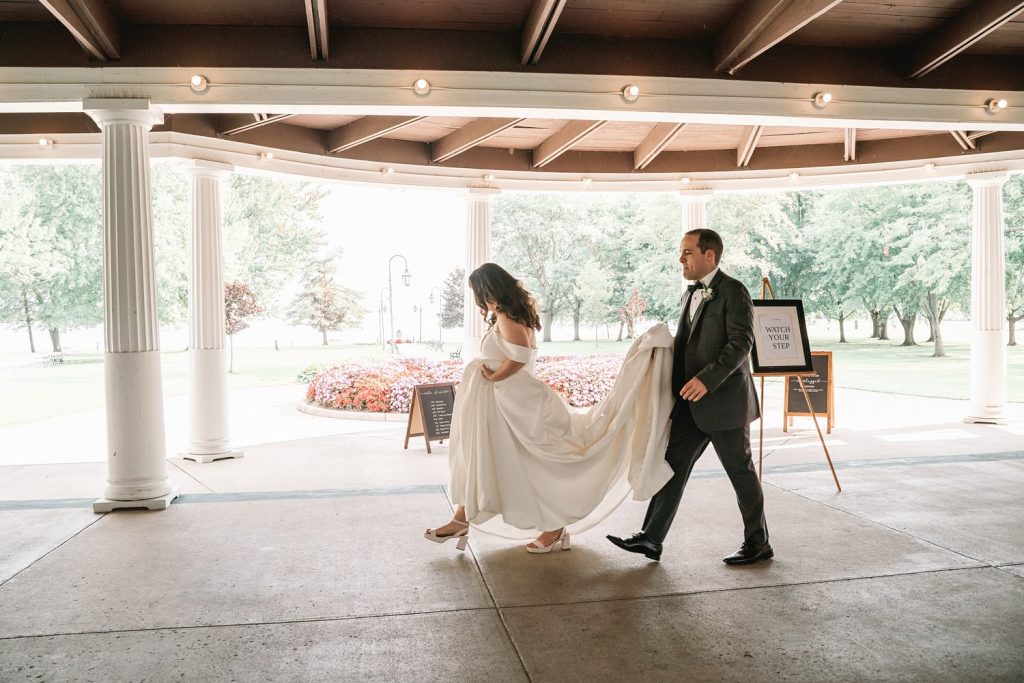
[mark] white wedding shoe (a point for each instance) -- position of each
(462, 534)
(563, 538)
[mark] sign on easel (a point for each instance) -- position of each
(430, 412)
(819, 388)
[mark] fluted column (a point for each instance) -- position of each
(136, 462)
(694, 212)
(208, 367)
(478, 252)
(988, 300)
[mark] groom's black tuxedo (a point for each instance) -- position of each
(714, 347)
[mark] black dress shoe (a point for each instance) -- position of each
(638, 543)
(750, 554)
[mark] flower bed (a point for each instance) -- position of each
(386, 386)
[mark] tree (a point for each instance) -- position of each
(593, 291)
(272, 230)
(453, 294)
(323, 304)
(239, 303)
(171, 241)
(1013, 193)
(632, 313)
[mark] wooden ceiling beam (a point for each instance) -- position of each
(563, 140)
(850, 144)
(962, 139)
(748, 143)
(233, 124)
(365, 129)
(319, 29)
(467, 137)
(91, 24)
(539, 25)
(654, 143)
(761, 24)
(958, 33)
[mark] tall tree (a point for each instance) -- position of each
(272, 230)
(171, 241)
(453, 294)
(1013, 194)
(323, 304)
(593, 290)
(240, 302)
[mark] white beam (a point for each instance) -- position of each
(233, 124)
(562, 140)
(319, 29)
(850, 144)
(365, 129)
(762, 24)
(962, 139)
(654, 143)
(539, 25)
(964, 29)
(91, 23)
(467, 137)
(748, 143)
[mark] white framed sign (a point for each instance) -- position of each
(780, 337)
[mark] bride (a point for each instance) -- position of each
(521, 458)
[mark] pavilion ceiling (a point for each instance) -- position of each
(968, 45)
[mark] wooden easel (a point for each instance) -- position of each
(766, 289)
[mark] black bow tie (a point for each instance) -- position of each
(696, 285)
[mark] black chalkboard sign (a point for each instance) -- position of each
(819, 388)
(430, 413)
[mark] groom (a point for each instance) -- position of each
(715, 399)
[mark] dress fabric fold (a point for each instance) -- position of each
(522, 460)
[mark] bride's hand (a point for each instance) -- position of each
(485, 372)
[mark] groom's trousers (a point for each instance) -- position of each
(686, 444)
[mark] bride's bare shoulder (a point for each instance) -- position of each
(512, 331)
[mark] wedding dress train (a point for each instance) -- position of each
(522, 460)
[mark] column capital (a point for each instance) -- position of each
(203, 168)
(987, 178)
(106, 111)
(697, 194)
(480, 193)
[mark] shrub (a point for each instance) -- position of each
(386, 385)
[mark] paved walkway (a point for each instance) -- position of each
(304, 561)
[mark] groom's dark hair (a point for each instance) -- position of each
(709, 239)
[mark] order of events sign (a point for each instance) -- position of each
(780, 338)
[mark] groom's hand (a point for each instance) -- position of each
(694, 390)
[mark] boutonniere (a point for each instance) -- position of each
(706, 294)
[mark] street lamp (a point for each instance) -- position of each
(406, 280)
(381, 308)
(419, 309)
(439, 302)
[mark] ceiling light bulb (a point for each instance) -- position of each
(822, 98)
(994, 106)
(266, 155)
(631, 93)
(685, 181)
(45, 142)
(387, 171)
(586, 182)
(794, 176)
(489, 178)
(929, 167)
(198, 83)
(421, 86)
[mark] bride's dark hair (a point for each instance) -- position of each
(491, 282)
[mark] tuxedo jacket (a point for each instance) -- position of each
(715, 347)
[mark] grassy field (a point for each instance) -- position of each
(33, 393)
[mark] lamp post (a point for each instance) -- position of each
(406, 280)
(381, 308)
(439, 302)
(419, 309)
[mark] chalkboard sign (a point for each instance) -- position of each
(430, 413)
(819, 388)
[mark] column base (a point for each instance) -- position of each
(101, 505)
(210, 457)
(985, 420)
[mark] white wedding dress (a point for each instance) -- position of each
(522, 460)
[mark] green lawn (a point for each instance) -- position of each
(29, 394)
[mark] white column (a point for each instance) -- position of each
(988, 300)
(208, 366)
(136, 461)
(478, 252)
(694, 214)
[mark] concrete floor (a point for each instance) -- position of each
(304, 561)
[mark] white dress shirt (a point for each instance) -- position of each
(697, 297)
